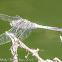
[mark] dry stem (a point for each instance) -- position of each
(16, 42)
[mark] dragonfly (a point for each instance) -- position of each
(21, 28)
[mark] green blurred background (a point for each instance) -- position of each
(43, 12)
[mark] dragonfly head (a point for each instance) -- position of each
(12, 23)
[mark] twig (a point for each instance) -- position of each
(16, 42)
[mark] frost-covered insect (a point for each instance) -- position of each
(21, 28)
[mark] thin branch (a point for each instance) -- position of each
(16, 42)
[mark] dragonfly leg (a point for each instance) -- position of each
(21, 34)
(16, 31)
(18, 28)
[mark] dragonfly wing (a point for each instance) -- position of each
(20, 33)
(16, 32)
(4, 39)
(25, 33)
(9, 18)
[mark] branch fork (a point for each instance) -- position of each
(17, 43)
